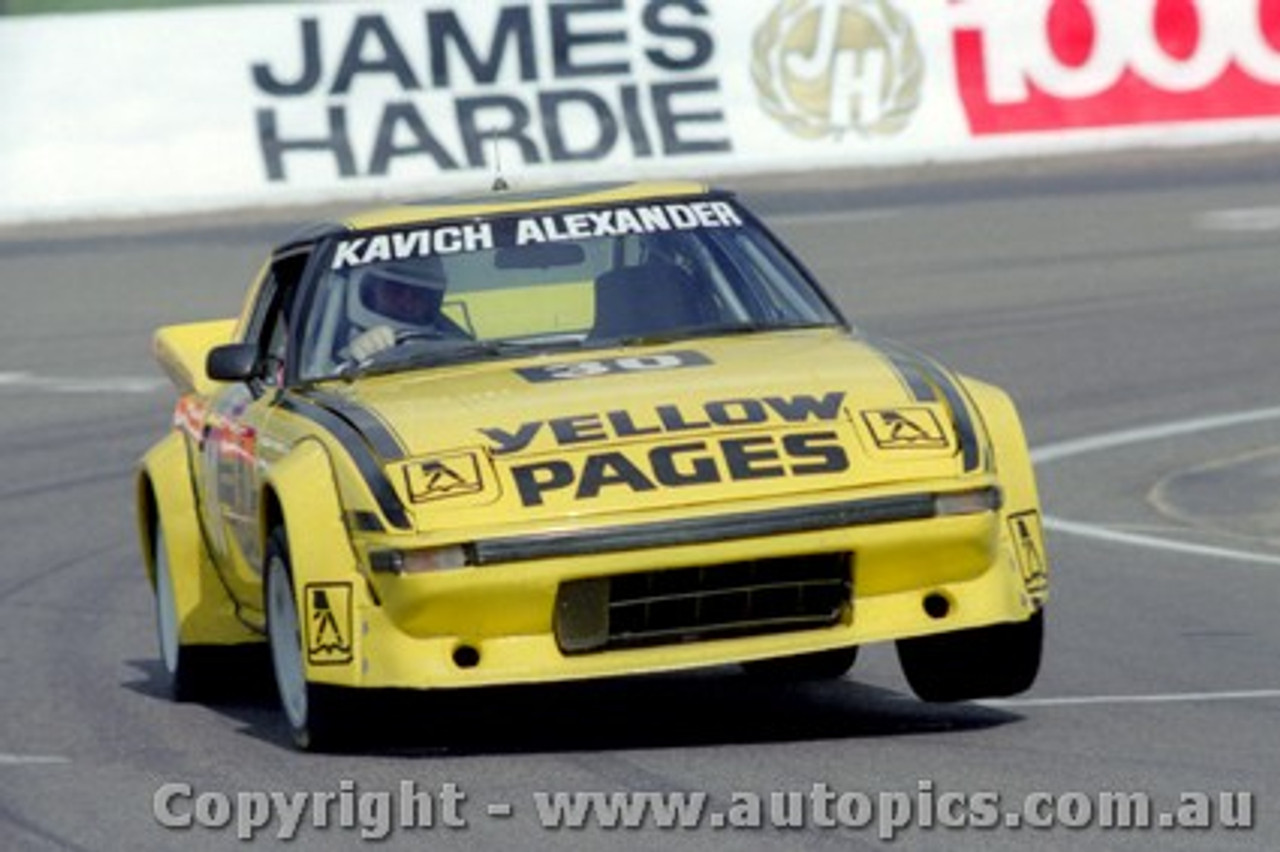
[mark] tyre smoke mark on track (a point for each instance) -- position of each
(23, 826)
(100, 478)
(96, 555)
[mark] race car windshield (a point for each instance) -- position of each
(549, 280)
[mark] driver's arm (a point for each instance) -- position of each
(371, 342)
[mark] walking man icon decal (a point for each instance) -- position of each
(1028, 539)
(329, 623)
(454, 475)
(903, 430)
(906, 428)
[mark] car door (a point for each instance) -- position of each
(234, 432)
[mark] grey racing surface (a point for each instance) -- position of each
(1129, 304)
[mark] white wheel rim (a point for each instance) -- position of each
(166, 609)
(286, 644)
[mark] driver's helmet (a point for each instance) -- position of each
(402, 294)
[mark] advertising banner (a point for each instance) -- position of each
(183, 110)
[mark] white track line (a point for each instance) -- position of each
(1097, 443)
(1154, 543)
(1167, 698)
(1246, 220)
(1110, 440)
(105, 384)
(31, 759)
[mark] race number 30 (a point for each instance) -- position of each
(611, 366)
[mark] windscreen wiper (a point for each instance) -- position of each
(442, 352)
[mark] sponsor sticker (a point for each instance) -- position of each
(677, 465)
(573, 462)
(329, 625)
(906, 429)
(595, 367)
(534, 230)
(664, 419)
(443, 477)
(1028, 544)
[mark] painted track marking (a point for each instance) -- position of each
(1051, 453)
(105, 384)
(1110, 440)
(32, 759)
(1151, 542)
(1244, 220)
(1166, 698)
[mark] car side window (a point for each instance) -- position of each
(275, 351)
(262, 308)
(269, 324)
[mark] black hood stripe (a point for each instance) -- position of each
(910, 373)
(917, 369)
(359, 448)
(966, 431)
(375, 430)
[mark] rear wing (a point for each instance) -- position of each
(181, 351)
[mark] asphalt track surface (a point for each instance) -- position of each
(1131, 306)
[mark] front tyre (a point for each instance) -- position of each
(983, 662)
(314, 712)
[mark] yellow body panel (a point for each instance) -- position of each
(398, 659)
(1022, 533)
(322, 560)
(505, 613)
(460, 456)
(206, 613)
(403, 631)
(181, 349)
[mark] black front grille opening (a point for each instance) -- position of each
(711, 602)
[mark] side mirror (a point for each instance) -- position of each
(233, 362)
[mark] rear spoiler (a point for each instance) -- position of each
(181, 351)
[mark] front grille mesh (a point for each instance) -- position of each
(709, 602)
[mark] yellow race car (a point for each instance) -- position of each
(570, 434)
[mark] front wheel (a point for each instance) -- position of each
(314, 712)
(983, 662)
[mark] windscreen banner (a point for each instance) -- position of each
(230, 106)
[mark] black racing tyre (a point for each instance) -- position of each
(316, 713)
(191, 672)
(982, 662)
(820, 665)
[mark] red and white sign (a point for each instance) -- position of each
(1036, 65)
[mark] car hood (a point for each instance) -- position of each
(660, 427)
